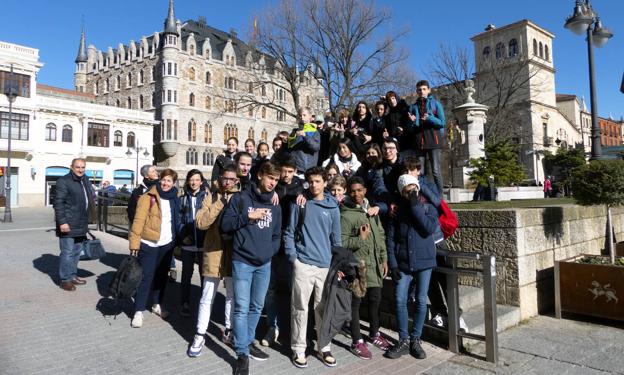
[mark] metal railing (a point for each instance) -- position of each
(104, 202)
(488, 274)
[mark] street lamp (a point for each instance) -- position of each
(585, 19)
(11, 93)
(137, 150)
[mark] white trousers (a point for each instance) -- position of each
(209, 290)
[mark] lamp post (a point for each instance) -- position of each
(585, 19)
(11, 93)
(137, 150)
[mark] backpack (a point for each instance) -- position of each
(447, 219)
(126, 279)
(299, 227)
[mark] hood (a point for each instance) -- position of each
(328, 202)
(261, 197)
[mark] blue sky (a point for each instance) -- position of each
(54, 28)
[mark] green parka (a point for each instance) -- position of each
(372, 250)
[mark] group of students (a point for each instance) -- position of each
(267, 227)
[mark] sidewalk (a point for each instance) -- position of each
(45, 330)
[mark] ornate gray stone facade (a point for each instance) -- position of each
(190, 76)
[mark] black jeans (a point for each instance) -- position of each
(374, 301)
(188, 266)
(437, 286)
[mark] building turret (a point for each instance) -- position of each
(80, 75)
(170, 22)
(169, 109)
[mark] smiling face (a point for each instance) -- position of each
(337, 191)
(332, 172)
(166, 183)
(152, 173)
(231, 146)
(244, 165)
(263, 151)
(390, 151)
(195, 182)
(357, 192)
(249, 147)
(343, 150)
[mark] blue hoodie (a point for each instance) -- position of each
(255, 241)
(321, 231)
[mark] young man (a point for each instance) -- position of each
(243, 162)
(224, 159)
(256, 225)
(72, 208)
(391, 170)
(217, 258)
(428, 122)
(310, 254)
(304, 142)
(288, 189)
(364, 235)
(378, 129)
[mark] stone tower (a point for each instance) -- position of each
(169, 71)
(80, 75)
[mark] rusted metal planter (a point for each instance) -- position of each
(589, 289)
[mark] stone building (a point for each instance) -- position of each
(51, 126)
(192, 77)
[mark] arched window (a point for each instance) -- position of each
(212, 158)
(192, 100)
(534, 47)
(129, 103)
(192, 49)
(263, 112)
(513, 48)
(141, 76)
(230, 130)
(546, 53)
(486, 52)
(129, 83)
(118, 103)
(208, 133)
(67, 134)
(50, 134)
(208, 78)
(130, 138)
(107, 85)
(192, 131)
(96, 89)
(117, 82)
(208, 102)
(118, 139)
(191, 74)
(500, 51)
(541, 50)
(141, 104)
(264, 135)
(251, 134)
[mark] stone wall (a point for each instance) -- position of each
(527, 241)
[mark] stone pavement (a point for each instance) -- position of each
(45, 330)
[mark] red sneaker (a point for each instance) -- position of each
(361, 350)
(379, 341)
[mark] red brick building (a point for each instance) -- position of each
(610, 131)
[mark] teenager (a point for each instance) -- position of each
(345, 159)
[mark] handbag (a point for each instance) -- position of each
(92, 249)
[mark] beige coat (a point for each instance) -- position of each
(217, 251)
(147, 220)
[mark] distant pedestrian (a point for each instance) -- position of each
(124, 189)
(72, 208)
(547, 187)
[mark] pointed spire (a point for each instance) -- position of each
(82, 50)
(170, 22)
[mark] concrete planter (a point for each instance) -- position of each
(589, 289)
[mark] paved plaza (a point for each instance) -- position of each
(45, 330)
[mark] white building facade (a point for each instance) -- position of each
(51, 126)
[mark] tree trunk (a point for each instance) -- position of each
(610, 246)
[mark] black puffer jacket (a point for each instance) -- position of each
(222, 160)
(70, 205)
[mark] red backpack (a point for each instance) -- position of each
(447, 219)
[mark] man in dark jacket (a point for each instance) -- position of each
(72, 208)
(256, 225)
(428, 122)
(396, 120)
(224, 159)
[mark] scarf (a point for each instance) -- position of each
(149, 183)
(167, 195)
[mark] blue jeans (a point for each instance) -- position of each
(155, 262)
(435, 158)
(188, 266)
(70, 255)
(250, 287)
(421, 279)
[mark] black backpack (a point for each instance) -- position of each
(127, 279)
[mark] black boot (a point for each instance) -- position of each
(242, 365)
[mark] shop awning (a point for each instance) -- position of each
(56, 171)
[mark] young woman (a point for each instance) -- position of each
(358, 132)
(262, 156)
(411, 256)
(192, 238)
(345, 159)
(152, 238)
(332, 171)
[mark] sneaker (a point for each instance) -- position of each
(438, 320)
(462, 325)
(327, 358)
(257, 354)
(416, 349)
(270, 337)
(227, 336)
(137, 320)
(156, 309)
(195, 350)
(242, 365)
(380, 342)
(185, 310)
(299, 360)
(361, 350)
(400, 349)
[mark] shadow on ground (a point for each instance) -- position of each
(49, 264)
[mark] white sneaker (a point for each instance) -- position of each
(137, 320)
(438, 320)
(462, 325)
(270, 337)
(156, 309)
(195, 350)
